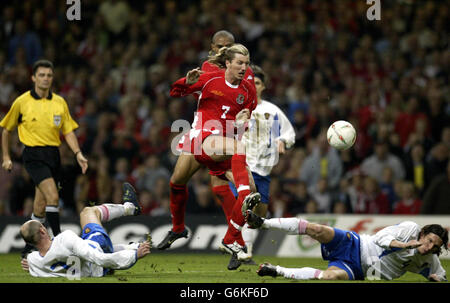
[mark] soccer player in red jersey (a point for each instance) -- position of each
(226, 98)
(187, 166)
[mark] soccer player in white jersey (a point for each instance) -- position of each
(387, 255)
(95, 252)
(269, 134)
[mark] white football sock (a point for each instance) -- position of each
(293, 226)
(111, 211)
(304, 273)
(249, 235)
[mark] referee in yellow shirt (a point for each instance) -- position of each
(40, 116)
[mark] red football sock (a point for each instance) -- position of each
(178, 200)
(241, 181)
(233, 235)
(235, 225)
(226, 198)
(240, 175)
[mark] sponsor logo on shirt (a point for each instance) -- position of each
(218, 93)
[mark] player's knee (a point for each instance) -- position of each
(315, 230)
(174, 179)
(178, 178)
(329, 275)
(87, 210)
(335, 274)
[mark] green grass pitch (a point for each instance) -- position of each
(186, 268)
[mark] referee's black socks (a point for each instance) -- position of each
(52, 214)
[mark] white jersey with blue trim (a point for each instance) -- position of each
(67, 249)
(267, 124)
(379, 261)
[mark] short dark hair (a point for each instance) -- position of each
(223, 33)
(258, 72)
(42, 63)
(438, 230)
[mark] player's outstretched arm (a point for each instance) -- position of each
(118, 260)
(407, 245)
(187, 85)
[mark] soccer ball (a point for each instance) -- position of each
(341, 135)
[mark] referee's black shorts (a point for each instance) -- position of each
(42, 162)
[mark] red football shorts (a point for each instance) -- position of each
(194, 146)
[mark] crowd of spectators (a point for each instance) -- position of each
(324, 60)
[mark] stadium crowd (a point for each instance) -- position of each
(324, 60)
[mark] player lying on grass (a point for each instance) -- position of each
(94, 249)
(387, 255)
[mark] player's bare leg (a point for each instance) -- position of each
(185, 168)
(39, 203)
(90, 215)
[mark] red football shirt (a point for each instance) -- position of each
(218, 102)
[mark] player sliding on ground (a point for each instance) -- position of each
(387, 255)
(97, 255)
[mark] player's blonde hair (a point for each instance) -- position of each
(228, 54)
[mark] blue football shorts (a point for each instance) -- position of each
(344, 252)
(96, 233)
